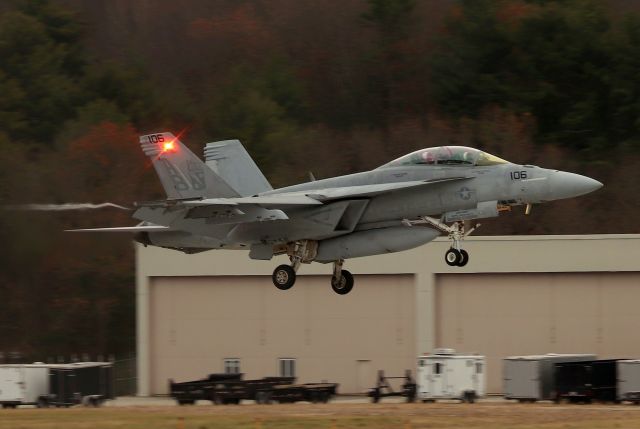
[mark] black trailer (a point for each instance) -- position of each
(87, 383)
(587, 381)
(383, 388)
(232, 389)
(288, 393)
(188, 392)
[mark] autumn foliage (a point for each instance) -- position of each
(332, 87)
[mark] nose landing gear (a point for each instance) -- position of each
(455, 256)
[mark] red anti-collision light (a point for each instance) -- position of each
(169, 147)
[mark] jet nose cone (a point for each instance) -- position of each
(568, 185)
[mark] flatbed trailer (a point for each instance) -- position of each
(383, 388)
(310, 392)
(188, 392)
(233, 392)
(222, 389)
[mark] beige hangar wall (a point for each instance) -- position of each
(517, 295)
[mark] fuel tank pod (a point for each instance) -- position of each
(374, 242)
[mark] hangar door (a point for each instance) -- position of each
(197, 324)
(502, 315)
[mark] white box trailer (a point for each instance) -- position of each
(23, 384)
(448, 375)
(629, 380)
(532, 378)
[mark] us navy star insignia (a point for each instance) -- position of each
(465, 193)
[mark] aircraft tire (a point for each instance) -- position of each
(452, 257)
(345, 285)
(464, 258)
(284, 276)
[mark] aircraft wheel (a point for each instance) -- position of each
(283, 277)
(452, 257)
(464, 258)
(345, 284)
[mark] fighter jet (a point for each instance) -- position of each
(227, 203)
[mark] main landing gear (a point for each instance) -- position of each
(455, 256)
(341, 280)
(284, 276)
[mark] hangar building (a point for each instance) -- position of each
(218, 311)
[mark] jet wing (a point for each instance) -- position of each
(311, 197)
(331, 194)
(279, 201)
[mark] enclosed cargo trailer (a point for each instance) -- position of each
(587, 381)
(23, 384)
(532, 378)
(448, 375)
(87, 383)
(629, 380)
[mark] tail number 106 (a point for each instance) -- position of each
(156, 138)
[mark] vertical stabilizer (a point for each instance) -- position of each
(230, 160)
(183, 174)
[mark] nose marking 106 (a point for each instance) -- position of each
(518, 175)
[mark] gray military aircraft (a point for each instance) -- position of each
(227, 203)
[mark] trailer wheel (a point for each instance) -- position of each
(42, 403)
(325, 397)
(263, 398)
(469, 397)
(375, 396)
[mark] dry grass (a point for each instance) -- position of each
(330, 416)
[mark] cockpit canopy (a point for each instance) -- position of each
(447, 155)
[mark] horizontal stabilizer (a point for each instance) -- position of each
(64, 207)
(140, 228)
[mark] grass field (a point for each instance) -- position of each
(330, 416)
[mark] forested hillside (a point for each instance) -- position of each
(329, 86)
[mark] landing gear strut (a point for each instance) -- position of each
(455, 256)
(284, 276)
(342, 280)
